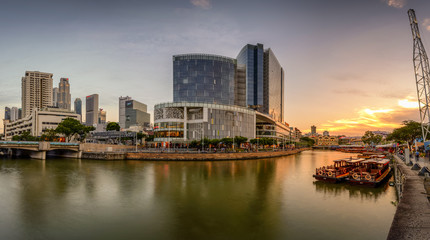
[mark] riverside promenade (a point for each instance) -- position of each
(174, 156)
(412, 218)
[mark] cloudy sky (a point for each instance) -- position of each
(348, 63)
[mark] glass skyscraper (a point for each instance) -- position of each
(204, 78)
(252, 56)
(264, 80)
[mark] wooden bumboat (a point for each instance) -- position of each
(339, 171)
(371, 172)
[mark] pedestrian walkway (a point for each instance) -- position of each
(412, 218)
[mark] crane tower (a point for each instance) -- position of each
(421, 68)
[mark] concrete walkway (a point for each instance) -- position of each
(412, 218)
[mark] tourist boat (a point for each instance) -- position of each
(339, 171)
(371, 172)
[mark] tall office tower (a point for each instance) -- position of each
(273, 95)
(205, 78)
(64, 98)
(19, 113)
(264, 80)
(7, 113)
(55, 97)
(14, 114)
(313, 130)
(122, 101)
(102, 116)
(78, 106)
(252, 56)
(135, 114)
(36, 91)
(92, 108)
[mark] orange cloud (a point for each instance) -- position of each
(384, 119)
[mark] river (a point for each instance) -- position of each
(252, 199)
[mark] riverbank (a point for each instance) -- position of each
(412, 218)
(188, 156)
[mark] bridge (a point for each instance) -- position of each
(38, 150)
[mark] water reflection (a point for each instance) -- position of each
(256, 199)
(359, 192)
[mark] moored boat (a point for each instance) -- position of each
(371, 172)
(339, 171)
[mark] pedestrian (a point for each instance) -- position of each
(417, 155)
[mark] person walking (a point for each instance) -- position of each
(417, 155)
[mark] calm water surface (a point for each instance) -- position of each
(254, 199)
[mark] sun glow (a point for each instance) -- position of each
(406, 103)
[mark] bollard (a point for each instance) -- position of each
(416, 167)
(424, 171)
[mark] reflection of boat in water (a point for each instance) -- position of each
(354, 191)
(371, 172)
(339, 171)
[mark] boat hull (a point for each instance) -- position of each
(383, 178)
(329, 179)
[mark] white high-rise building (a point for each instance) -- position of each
(64, 98)
(122, 101)
(14, 114)
(92, 109)
(36, 90)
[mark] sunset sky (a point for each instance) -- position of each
(348, 64)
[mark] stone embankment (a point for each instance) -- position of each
(412, 218)
(187, 156)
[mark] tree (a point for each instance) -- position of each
(113, 126)
(25, 136)
(370, 138)
(49, 135)
(410, 131)
(307, 141)
(227, 141)
(215, 142)
(238, 140)
(70, 127)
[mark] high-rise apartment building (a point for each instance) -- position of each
(92, 108)
(135, 114)
(122, 101)
(14, 114)
(55, 97)
(102, 116)
(264, 80)
(78, 106)
(19, 113)
(64, 98)
(36, 91)
(6, 113)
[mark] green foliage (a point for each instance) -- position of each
(227, 141)
(49, 135)
(140, 135)
(195, 143)
(70, 127)
(25, 136)
(371, 138)
(149, 138)
(238, 140)
(215, 142)
(113, 126)
(253, 141)
(408, 133)
(307, 141)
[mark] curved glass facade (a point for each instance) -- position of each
(204, 78)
